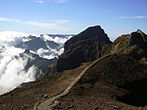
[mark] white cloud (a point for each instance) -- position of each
(48, 26)
(62, 21)
(11, 38)
(56, 1)
(40, 24)
(5, 19)
(39, 1)
(54, 25)
(56, 39)
(133, 17)
(10, 65)
(16, 69)
(2, 19)
(108, 11)
(61, 1)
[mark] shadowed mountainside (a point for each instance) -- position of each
(86, 46)
(118, 70)
(115, 82)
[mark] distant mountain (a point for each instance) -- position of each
(59, 35)
(43, 51)
(86, 46)
(36, 43)
(25, 58)
(43, 66)
(46, 46)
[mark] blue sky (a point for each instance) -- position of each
(116, 17)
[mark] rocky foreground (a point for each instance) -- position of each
(117, 82)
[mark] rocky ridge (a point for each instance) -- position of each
(134, 44)
(88, 45)
(122, 71)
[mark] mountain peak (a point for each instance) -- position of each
(88, 45)
(140, 32)
(139, 38)
(93, 31)
(97, 27)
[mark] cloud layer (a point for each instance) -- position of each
(12, 65)
(56, 1)
(39, 1)
(49, 26)
(53, 25)
(12, 71)
(133, 17)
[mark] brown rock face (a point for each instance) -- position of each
(86, 46)
(139, 38)
(134, 44)
(120, 44)
(137, 45)
(124, 72)
(118, 69)
(117, 82)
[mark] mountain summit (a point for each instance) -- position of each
(134, 44)
(88, 45)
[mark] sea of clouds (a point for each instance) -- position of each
(12, 68)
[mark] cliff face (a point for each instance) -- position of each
(86, 46)
(134, 44)
(137, 45)
(139, 38)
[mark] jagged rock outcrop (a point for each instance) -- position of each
(134, 44)
(139, 38)
(137, 45)
(120, 44)
(86, 46)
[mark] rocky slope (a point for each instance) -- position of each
(86, 46)
(31, 94)
(120, 44)
(116, 82)
(119, 79)
(134, 44)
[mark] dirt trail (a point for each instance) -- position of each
(46, 105)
